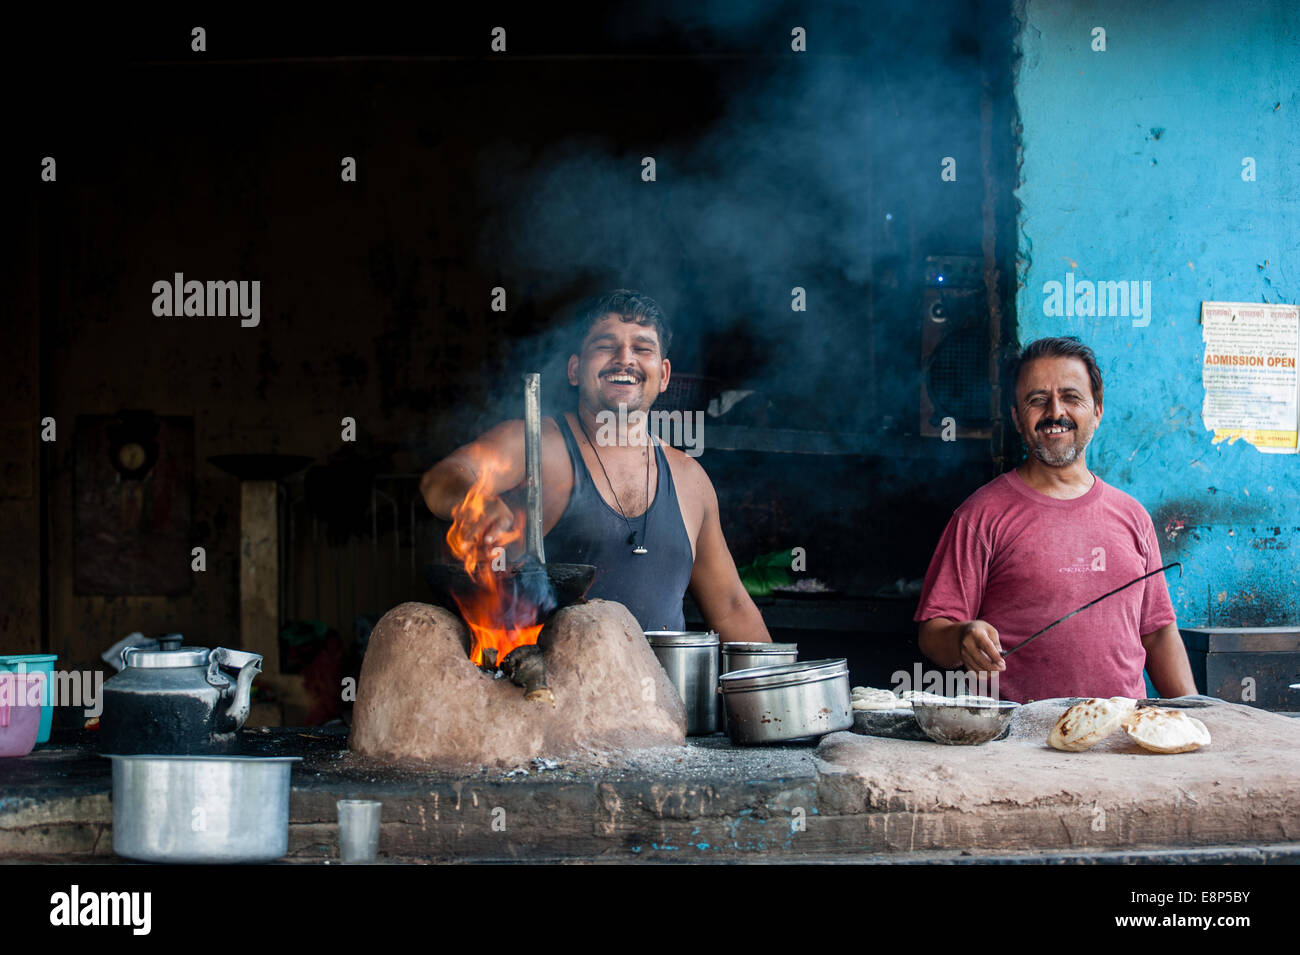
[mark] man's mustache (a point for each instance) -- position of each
(1057, 423)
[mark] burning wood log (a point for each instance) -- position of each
(525, 667)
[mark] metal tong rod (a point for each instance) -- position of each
(533, 464)
(1022, 644)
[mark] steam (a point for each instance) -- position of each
(815, 171)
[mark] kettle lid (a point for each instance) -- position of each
(165, 659)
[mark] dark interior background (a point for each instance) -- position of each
(522, 170)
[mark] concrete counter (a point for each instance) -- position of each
(852, 798)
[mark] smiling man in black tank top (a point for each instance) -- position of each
(643, 513)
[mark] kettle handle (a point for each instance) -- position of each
(214, 675)
(232, 659)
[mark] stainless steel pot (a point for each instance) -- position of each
(690, 658)
(742, 656)
(775, 704)
(201, 808)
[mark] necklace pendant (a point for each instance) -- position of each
(639, 550)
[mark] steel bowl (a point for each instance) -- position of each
(201, 808)
(964, 724)
(791, 701)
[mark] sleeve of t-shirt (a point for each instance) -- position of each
(1157, 609)
(959, 570)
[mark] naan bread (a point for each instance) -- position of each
(869, 698)
(1166, 731)
(1086, 724)
(920, 696)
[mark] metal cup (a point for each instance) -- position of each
(358, 830)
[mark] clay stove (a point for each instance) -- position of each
(420, 698)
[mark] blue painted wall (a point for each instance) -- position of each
(1131, 170)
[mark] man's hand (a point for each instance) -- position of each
(973, 644)
(979, 646)
(487, 528)
(498, 457)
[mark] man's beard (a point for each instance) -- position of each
(604, 403)
(1062, 457)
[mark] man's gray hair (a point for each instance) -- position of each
(1068, 347)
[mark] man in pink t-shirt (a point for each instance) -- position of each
(1043, 540)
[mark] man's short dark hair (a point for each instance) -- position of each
(630, 306)
(1069, 347)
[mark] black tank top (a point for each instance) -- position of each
(651, 585)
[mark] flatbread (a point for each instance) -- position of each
(1086, 724)
(921, 696)
(869, 698)
(1166, 731)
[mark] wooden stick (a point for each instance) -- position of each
(525, 666)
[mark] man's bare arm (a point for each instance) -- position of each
(715, 583)
(1167, 662)
(498, 456)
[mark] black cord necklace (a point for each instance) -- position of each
(645, 516)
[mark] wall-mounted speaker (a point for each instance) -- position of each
(956, 389)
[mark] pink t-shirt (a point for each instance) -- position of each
(1018, 560)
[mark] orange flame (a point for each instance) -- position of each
(492, 611)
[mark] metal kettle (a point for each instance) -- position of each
(177, 700)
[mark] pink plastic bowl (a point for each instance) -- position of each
(20, 712)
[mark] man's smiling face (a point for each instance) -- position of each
(620, 363)
(1055, 412)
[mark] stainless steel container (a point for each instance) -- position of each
(742, 656)
(201, 808)
(790, 701)
(690, 658)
